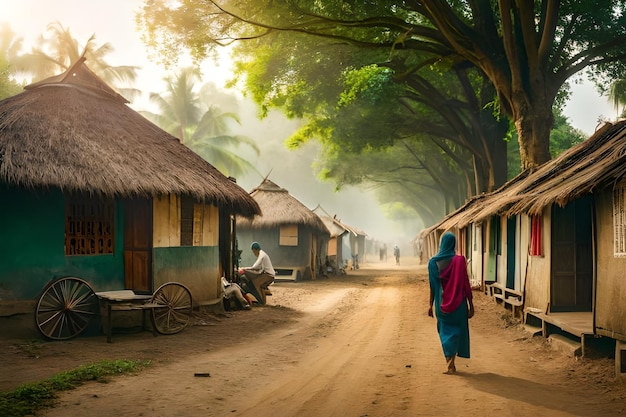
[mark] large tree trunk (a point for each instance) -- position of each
(533, 124)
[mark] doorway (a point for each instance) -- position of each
(571, 284)
(138, 246)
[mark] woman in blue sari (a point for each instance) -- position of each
(451, 295)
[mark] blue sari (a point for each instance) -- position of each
(453, 327)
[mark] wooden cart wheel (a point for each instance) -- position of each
(173, 308)
(65, 308)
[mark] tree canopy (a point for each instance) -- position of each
(434, 82)
(10, 46)
(527, 49)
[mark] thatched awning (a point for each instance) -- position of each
(598, 161)
(75, 133)
(280, 208)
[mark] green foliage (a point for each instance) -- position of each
(366, 83)
(371, 76)
(8, 87)
(617, 94)
(28, 399)
(10, 46)
(563, 135)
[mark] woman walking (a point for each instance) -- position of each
(451, 295)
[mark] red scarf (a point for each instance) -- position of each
(455, 286)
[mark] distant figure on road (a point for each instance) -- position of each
(451, 294)
(396, 254)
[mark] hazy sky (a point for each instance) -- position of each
(113, 22)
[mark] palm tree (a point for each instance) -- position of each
(179, 107)
(61, 50)
(10, 46)
(211, 141)
(203, 128)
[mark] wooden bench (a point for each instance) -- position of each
(284, 273)
(123, 300)
(511, 298)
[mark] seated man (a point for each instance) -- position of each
(232, 291)
(260, 275)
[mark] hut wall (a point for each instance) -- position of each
(537, 287)
(320, 254)
(339, 255)
(166, 232)
(32, 224)
(501, 250)
(610, 310)
(346, 251)
(282, 256)
(166, 214)
(360, 248)
(522, 253)
(475, 253)
(197, 266)
(332, 247)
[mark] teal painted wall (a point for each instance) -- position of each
(268, 238)
(196, 267)
(32, 231)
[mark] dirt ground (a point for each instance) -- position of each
(355, 345)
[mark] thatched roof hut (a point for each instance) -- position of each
(75, 133)
(280, 208)
(294, 236)
(597, 161)
(341, 235)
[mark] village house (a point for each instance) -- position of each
(346, 244)
(91, 189)
(294, 237)
(551, 244)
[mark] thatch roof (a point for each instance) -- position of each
(599, 161)
(75, 133)
(335, 226)
(280, 208)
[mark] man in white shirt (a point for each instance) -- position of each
(260, 275)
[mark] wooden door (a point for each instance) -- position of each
(511, 239)
(138, 245)
(491, 235)
(572, 257)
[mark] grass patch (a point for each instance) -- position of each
(26, 399)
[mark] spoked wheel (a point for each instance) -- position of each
(173, 308)
(65, 308)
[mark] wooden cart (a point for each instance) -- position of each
(67, 306)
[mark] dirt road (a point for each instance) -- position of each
(356, 345)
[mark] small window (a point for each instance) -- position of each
(89, 226)
(288, 235)
(186, 221)
(619, 220)
(536, 243)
